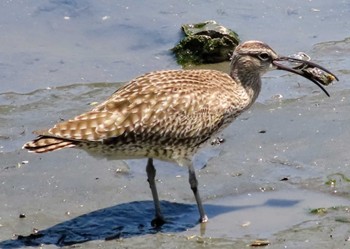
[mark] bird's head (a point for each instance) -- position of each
(256, 57)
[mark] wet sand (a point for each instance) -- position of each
(274, 167)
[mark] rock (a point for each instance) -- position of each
(206, 42)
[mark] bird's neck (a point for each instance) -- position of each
(247, 78)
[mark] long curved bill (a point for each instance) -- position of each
(309, 70)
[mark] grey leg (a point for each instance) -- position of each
(151, 174)
(194, 186)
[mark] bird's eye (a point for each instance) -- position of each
(264, 56)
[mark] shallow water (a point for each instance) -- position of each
(271, 170)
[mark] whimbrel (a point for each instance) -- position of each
(169, 115)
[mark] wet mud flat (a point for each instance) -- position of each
(291, 158)
(281, 175)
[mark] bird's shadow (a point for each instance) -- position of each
(126, 220)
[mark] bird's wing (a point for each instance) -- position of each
(176, 104)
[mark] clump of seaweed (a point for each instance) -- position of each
(206, 42)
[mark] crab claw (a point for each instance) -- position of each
(309, 70)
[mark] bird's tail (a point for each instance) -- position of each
(45, 144)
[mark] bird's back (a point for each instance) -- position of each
(163, 114)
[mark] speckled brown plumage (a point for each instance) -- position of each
(166, 115)
(165, 110)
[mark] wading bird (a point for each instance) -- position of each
(169, 115)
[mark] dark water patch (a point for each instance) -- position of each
(127, 220)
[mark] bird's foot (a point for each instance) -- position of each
(203, 219)
(158, 222)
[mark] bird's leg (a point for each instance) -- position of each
(194, 186)
(151, 173)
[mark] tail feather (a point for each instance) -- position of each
(45, 144)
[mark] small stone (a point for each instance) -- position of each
(260, 242)
(217, 141)
(246, 224)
